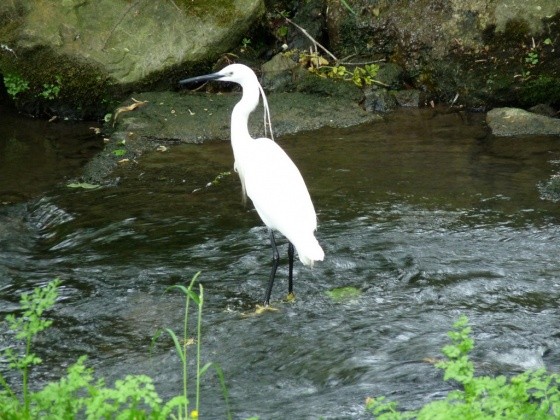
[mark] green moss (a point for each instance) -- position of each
(516, 29)
(543, 89)
(82, 90)
(223, 10)
(352, 39)
(513, 69)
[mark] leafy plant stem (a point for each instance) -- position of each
(26, 377)
(347, 6)
(184, 358)
(198, 343)
(7, 387)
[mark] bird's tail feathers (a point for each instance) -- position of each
(310, 251)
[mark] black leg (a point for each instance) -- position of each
(275, 261)
(290, 269)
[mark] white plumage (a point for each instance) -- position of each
(268, 176)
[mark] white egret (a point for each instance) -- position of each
(269, 177)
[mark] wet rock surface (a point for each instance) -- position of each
(171, 118)
(507, 122)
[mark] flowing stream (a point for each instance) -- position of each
(427, 216)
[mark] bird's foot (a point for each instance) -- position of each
(266, 308)
(291, 297)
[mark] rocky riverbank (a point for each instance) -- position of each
(79, 59)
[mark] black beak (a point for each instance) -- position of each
(213, 76)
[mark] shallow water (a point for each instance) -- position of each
(36, 154)
(428, 216)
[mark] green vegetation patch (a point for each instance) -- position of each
(530, 395)
(79, 394)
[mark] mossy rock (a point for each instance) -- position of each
(102, 48)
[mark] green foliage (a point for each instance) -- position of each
(15, 84)
(365, 75)
(282, 32)
(530, 395)
(78, 394)
(360, 76)
(532, 58)
(539, 89)
(127, 399)
(181, 348)
(51, 90)
(26, 326)
(60, 399)
(220, 176)
(347, 6)
(458, 366)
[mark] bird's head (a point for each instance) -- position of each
(252, 89)
(237, 73)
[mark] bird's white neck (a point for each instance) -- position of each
(240, 115)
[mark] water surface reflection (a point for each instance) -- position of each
(424, 213)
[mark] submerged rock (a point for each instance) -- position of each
(518, 122)
(170, 117)
(197, 117)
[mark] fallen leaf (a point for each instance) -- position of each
(84, 185)
(343, 294)
(119, 152)
(128, 108)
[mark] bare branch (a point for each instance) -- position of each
(315, 43)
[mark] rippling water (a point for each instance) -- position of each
(425, 214)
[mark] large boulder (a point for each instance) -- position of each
(87, 47)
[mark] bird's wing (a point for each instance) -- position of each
(276, 187)
(242, 179)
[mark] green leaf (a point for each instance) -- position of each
(178, 346)
(187, 292)
(119, 152)
(341, 294)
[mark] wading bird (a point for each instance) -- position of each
(269, 177)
